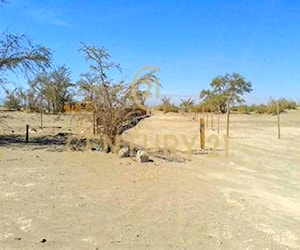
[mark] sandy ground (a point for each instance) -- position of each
(241, 194)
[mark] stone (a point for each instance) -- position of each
(32, 130)
(142, 156)
(124, 152)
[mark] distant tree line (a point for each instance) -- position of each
(48, 89)
(47, 92)
(225, 96)
(186, 106)
(269, 108)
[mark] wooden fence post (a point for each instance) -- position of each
(27, 133)
(278, 120)
(211, 119)
(202, 134)
(94, 122)
(218, 120)
(42, 119)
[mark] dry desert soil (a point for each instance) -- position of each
(243, 193)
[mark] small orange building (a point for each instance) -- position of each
(78, 107)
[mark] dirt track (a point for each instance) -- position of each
(248, 199)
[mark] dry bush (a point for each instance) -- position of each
(115, 103)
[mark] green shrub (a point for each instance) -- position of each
(12, 101)
(195, 108)
(244, 109)
(261, 109)
(270, 108)
(287, 104)
(283, 105)
(170, 108)
(235, 108)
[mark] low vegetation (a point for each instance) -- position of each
(167, 106)
(269, 108)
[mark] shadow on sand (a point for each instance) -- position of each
(58, 143)
(36, 142)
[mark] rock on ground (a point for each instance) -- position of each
(142, 156)
(124, 152)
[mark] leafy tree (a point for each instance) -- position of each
(211, 100)
(23, 97)
(38, 94)
(13, 99)
(51, 90)
(187, 104)
(62, 85)
(229, 88)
